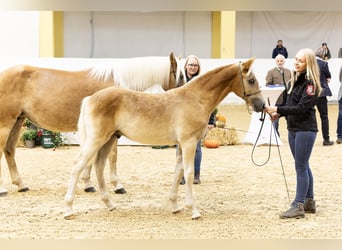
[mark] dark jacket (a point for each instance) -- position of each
(324, 75)
(279, 50)
(299, 106)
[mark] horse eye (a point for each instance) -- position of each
(251, 81)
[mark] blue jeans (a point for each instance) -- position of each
(198, 159)
(339, 120)
(301, 144)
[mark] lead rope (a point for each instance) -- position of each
(262, 119)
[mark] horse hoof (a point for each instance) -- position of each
(69, 216)
(3, 194)
(176, 211)
(120, 191)
(23, 190)
(90, 190)
(196, 215)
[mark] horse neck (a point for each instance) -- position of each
(215, 85)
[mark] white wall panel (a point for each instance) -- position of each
(258, 32)
(131, 34)
(19, 34)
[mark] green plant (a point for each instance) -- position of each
(29, 134)
(36, 133)
(56, 137)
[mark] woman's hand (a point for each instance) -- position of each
(272, 111)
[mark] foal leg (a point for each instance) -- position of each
(3, 190)
(112, 159)
(84, 159)
(179, 171)
(85, 177)
(99, 166)
(188, 159)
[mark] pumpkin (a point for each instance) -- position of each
(211, 143)
(221, 118)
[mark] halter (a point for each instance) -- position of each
(246, 95)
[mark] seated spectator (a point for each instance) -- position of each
(279, 75)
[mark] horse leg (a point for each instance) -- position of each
(70, 195)
(3, 190)
(88, 152)
(84, 159)
(188, 160)
(9, 152)
(85, 177)
(99, 164)
(112, 159)
(179, 171)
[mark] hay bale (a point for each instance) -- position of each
(225, 136)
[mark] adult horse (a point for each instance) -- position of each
(52, 98)
(178, 116)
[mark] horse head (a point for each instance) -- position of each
(250, 90)
(176, 72)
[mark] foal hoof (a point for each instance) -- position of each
(195, 215)
(90, 190)
(69, 216)
(120, 191)
(23, 190)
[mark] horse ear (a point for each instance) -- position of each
(247, 64)
(173, 63)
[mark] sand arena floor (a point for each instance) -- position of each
(237, 199)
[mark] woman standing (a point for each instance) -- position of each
(192, 69)
(299, 109)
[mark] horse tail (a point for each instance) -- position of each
(81, 125)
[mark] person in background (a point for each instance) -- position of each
(278, 76)
(326, 52)
(279, 49)
(192, 69)
(322, 101)
(299, 109)
(339, 117)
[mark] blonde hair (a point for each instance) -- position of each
(312, 70)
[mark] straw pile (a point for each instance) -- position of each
(224, 136)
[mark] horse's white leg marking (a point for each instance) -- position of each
(70, 195)
(3, 190)
(85, 177)
(99, 166)
(176, 179)
(188, 159)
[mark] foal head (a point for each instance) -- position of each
(249, 88)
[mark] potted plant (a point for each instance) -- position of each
(29, 136)
(50, 139)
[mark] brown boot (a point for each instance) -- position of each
(197, 178)
(310, 205)
(295, 211)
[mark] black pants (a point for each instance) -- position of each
(322, 106)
